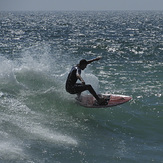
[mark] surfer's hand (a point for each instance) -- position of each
(92, 60)
(83, 82)
(98, 58)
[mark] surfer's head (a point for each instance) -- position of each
(83, 64)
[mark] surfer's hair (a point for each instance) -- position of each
(83, 62)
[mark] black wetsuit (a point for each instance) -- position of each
(71, 85)
(76, 88)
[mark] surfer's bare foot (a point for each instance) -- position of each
(102, 101)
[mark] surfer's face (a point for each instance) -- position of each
(83, 66)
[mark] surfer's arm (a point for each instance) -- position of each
(78, 72)
(80, 78)
(95, 59)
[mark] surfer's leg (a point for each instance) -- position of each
(78, 88)
(92, 91)
(101, 101)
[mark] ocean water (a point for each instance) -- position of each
(41, 123)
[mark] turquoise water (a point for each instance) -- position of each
(41, 122)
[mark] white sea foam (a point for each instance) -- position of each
(30, 122)
(52, 136)
(11, 151)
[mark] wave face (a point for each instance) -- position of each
(41, 122)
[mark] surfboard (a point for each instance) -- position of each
(111, 100)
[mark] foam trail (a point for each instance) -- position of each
(10, 151)
(25, 119)
(46, 134)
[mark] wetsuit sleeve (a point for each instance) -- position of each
(78, 72)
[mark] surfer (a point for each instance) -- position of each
(77, 88)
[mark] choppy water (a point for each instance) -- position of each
(40, 121)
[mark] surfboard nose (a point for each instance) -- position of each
(127, 98)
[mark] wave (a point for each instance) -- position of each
(29, 90)
(36, 109)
